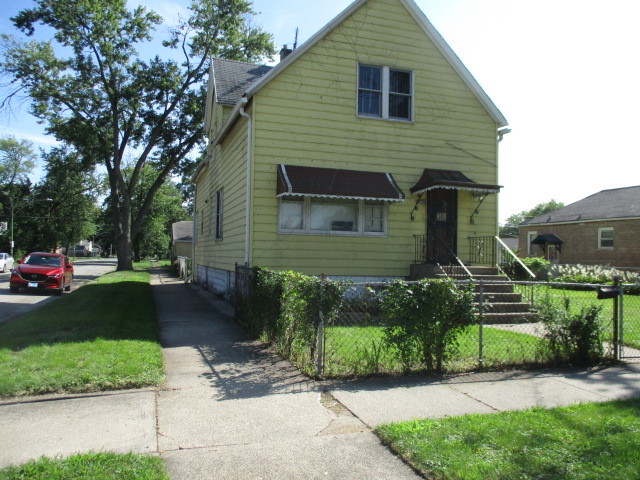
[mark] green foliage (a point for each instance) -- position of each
(510, 227)
(514, 270)
(71, 191)
(425, 319)
(573, 337)
(284, 309)
(17, 160)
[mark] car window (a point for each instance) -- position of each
(46, 260)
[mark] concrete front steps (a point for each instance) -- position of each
(501, 305)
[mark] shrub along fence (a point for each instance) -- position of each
(332, 328)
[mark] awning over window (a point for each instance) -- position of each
(335, 183)
(433, 178)
(547, 238)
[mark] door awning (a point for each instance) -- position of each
(434, 178)
(547, 238)
(335, 183)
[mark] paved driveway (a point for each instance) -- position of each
(15, 304)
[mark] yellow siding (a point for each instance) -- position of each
(307, 116)
(226, 171)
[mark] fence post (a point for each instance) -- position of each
(320, 334)
(621, 323)
(480, 326)
(616, 330)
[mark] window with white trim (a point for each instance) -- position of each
(531, 248)
(332, 216)
(219, 215)
(605, 238)
(385, 93)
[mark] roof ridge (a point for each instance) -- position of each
(240, 61)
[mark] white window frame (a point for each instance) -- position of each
(219, 215)
(600, 232)
(384, 115)
(530, 237)
(306, 215)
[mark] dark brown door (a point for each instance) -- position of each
(442, 225)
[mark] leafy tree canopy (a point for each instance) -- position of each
(510, 227)
(112, 105)
(17, 160)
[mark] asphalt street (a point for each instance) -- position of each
(13, 305)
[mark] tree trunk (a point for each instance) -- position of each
(124, 251)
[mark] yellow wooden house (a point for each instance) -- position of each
(367, 149)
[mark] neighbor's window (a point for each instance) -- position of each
(219, 215)
(332, 216)
(385, 92)
(605, 238)
(531, 248)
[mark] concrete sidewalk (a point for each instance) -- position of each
(232, 409)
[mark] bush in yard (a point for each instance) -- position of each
(424, 320)
(576, 338)
(284, 310)
(537, 265)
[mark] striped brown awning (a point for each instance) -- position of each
(335, 183)
(434, 178)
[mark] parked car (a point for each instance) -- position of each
(6, 262)
(42, 271)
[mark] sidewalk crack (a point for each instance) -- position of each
(474, 398)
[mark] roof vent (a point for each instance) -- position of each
(285, 52)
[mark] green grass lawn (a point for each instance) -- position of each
(99, 337)
(598, 441)
(145, 264)
(90, 466)
(361, 350)
(584, 298)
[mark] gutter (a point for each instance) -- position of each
(247, 227)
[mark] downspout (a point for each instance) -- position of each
(194, 231)
(247, 227)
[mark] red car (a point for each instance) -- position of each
(42, 271)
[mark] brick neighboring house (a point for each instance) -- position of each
(602, 229)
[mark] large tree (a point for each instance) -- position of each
(510, 227)
(112, 105)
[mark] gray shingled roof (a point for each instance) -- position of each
(232, 78)
(604, 205)
(182, 231)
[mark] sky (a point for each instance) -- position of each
(565, 74)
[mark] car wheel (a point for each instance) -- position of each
(13, 289)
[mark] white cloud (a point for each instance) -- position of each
(39, 140)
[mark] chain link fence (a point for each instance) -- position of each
(512, 327)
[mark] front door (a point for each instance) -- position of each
(442, 225)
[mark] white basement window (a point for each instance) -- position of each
(332, 216)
